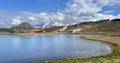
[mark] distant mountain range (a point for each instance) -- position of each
(93, 27)
(84, 27)
(97, 26)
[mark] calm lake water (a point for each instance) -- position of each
(21, 49)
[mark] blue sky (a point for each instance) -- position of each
(45, 13)
(33, 5)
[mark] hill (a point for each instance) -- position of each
(24, 25)
(101, 26)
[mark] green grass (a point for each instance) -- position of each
(114, 57)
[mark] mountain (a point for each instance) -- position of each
(101, 26)
(24, 25)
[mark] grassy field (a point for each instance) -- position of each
(114, 57)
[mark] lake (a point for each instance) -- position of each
(21, 49)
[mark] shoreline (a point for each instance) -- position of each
(111, 45)
(113, 56)
(33, 34)
(44, 33)
(114, 47)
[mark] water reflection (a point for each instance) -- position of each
(48, 47)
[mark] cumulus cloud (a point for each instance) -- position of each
(100, 16)
(77, 11)
(16, 21)
(87, 10)
(108, 12)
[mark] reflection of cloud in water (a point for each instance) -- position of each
(51, 47)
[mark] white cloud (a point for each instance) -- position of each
(32, 18)
(60, 16)
(57, 24)
(108, 12)
(86, 10)
(76, 12)
(43, 14)
(100, 16)
(16, 21)
(18, 17)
